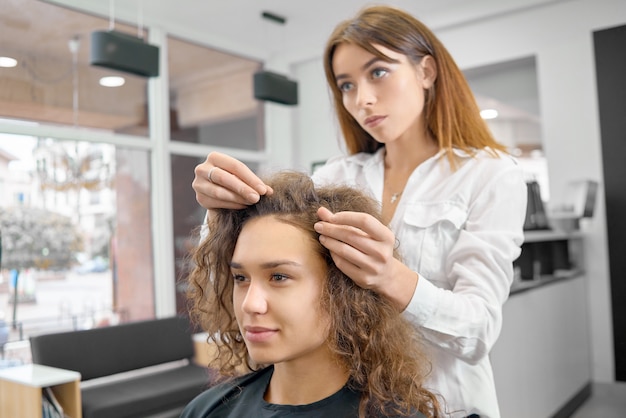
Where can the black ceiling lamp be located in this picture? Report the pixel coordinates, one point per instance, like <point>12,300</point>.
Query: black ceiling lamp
<point>274,87</point>
<point>123,52</point>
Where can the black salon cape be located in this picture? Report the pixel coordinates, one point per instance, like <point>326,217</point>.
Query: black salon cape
<point>243,398</point>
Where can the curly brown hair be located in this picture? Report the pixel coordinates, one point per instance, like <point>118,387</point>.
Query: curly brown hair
<point>381,349</point>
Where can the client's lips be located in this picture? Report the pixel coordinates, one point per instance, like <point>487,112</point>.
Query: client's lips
<point>258,334</point>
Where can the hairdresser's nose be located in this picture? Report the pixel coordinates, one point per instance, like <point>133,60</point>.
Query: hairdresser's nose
<point>255,300</point>
<point>365,95</point>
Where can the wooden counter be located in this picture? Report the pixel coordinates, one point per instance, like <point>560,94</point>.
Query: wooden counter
<point>21,390</point>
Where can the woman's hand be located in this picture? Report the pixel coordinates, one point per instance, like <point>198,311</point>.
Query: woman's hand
<point>223,182</point>
<point>363,248</point>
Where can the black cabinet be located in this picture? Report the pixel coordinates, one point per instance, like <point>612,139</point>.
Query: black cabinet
<point>610,58</point>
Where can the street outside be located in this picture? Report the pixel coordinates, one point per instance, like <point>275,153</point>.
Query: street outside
<point>59,302</point>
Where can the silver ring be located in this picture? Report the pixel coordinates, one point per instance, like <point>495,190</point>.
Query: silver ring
<point>211,172</point>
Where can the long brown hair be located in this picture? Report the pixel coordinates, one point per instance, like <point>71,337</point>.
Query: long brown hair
<point>451,113</point>
<point>380,348</point>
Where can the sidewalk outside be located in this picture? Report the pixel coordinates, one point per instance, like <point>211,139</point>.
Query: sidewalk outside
<point>62,302</point>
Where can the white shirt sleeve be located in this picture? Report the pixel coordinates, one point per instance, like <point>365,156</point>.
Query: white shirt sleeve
<point>465,317</point>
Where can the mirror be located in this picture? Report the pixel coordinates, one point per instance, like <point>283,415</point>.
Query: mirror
<point>508,96</point>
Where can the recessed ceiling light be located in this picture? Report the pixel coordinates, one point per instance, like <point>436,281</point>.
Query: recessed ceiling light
<point>489,113</point>
<point>7,62</point>
<point>112,81</point>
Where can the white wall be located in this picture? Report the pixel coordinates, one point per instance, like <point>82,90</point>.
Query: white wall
<point>316,128</point>
<point>560,36</point>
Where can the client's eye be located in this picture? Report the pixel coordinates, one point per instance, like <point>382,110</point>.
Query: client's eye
<point>239,277</point>
<point>279,277</point>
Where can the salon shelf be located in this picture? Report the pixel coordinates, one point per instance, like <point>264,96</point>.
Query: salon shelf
<point>520,286</point>
<point>551,235</point>
<point>548,256</point>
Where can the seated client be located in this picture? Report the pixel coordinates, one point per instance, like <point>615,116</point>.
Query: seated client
<point>313,342</point>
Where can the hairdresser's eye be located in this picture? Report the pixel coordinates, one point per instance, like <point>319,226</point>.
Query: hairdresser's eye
<point>379,72</point>
<point>279,277</point>
<point>346,87</point>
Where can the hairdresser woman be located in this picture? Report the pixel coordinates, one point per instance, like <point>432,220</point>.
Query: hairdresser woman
<point>453,198</point>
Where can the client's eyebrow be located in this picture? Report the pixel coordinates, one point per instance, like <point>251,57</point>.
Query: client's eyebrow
<point>267,265</point>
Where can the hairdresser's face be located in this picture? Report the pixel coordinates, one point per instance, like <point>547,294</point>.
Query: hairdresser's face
<point>278,282</point>
<point>385,98</point>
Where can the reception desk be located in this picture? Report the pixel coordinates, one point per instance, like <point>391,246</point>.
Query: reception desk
<point>542,360</point>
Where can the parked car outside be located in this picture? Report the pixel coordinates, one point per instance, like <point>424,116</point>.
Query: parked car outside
<point>95,265</point>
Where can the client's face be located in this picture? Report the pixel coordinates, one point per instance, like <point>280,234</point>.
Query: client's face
<point>278,283</point>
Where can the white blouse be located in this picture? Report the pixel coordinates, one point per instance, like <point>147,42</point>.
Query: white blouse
<point>460,230</point>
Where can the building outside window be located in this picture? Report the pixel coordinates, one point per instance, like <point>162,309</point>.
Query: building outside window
<point>88,154</point>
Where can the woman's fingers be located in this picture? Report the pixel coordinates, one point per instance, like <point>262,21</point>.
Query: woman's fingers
<point>356,228</point>
<point>363,249</point>
<point>243,180</point>
<point>360,245</point>
<point>225,182</point>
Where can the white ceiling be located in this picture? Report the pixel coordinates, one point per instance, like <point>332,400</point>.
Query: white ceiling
<point>237,25</point>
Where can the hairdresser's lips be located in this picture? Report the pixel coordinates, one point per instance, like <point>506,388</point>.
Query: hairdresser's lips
<point>373,121</point>
<point>258,334</point>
